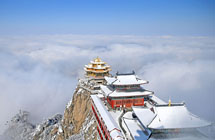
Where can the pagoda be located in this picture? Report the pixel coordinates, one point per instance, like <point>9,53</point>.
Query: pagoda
<point>96,70</point>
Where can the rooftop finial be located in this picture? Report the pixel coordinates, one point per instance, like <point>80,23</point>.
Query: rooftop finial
<point>169,102</point>
<point>97,59</point>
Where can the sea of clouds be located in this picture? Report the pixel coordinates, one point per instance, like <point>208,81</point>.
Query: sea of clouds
<point>39,73</point>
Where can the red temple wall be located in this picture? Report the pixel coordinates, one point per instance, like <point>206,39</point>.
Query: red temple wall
<point>101,126</point>
<point>126,102</point>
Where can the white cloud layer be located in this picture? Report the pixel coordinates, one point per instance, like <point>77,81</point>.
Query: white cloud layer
<point>39,73</point>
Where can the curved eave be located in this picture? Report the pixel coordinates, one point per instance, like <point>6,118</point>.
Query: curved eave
<point>93,62</point>
<point>174,128</point>
<point>96,71</point>
<point>132,94</point>
<point>142,82</point>
<point>101,68</point>
<point>96,77</point>
<point>125,84</point>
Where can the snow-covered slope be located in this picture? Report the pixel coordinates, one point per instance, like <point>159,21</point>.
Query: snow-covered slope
<point>75,124</point>
<point>19,127</point>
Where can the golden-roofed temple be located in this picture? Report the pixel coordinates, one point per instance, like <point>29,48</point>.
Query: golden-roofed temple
<point>97,69</point>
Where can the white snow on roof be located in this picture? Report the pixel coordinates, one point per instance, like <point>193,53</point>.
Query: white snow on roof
<point>135,130</point>
<point>105,90</point>
<point>176,117</point>
<point>107,118</point>
<point>128,80</point>
<point>147,113</point>
<point>110,80</point>
<point>115,115</point>
<point>100,95</point>
<point>97,67</point>
<point>169,117</point>
<point>157,100</point>
<point>130,94</point>
<point>93,62</point>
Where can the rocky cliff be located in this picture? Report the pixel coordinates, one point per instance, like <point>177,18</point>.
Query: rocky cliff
<point>76,123</point>
<point>77,119</point>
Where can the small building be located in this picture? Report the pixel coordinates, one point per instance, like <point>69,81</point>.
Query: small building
<point>96,70</point>
<point>125,90</point>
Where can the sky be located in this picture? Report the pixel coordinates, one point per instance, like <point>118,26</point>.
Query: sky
<point>44,45</point>
<point>136,17</point>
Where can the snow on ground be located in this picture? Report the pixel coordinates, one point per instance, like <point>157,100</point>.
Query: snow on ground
<point>60,130</point>
<point>89,123</point>
<point>69,103</point>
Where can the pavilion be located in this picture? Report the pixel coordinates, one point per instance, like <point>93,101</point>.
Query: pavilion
<point>96,70</point>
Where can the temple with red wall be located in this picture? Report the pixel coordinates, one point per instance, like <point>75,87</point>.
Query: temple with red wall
<point>125,90</point>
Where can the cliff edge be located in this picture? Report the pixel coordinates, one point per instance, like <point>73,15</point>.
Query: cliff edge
<point>78,118</point>
<point>76,123</point>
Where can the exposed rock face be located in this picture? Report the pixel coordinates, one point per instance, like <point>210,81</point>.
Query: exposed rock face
<point>77,123</point>
<point>78,118</point>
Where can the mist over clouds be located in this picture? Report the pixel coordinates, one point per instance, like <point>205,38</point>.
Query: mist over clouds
<point>39,73</point>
